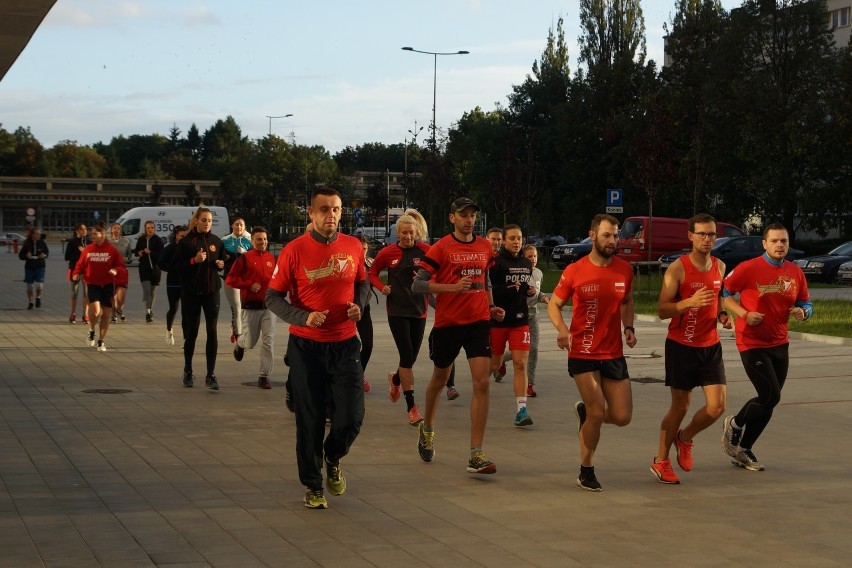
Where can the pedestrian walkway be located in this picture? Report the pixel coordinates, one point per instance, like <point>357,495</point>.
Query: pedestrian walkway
<point>106,460</point>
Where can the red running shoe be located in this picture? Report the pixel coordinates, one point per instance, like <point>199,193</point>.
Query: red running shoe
<point>663,471</point>
<point>684,452</point>
<point>394,391</point>
<point>367,385</point>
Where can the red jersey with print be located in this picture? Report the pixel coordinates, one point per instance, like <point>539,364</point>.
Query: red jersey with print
<point>449,260</point>
<point>252,267</point>
<point>696,327</point>
<point>771,290</point>
<point>318,277</point>
<point>596,294</point>
<point>96,260</point>
<point>402,264</point>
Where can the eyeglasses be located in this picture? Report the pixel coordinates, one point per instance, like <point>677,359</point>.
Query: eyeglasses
<point>703,236</point>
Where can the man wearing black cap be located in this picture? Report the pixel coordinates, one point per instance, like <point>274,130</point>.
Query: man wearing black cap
<point>455,270</point>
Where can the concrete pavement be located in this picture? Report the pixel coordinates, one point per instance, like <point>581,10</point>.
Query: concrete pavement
<point>159,475</point>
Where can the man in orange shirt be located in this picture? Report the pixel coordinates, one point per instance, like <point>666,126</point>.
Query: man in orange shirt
<point>599,287</point>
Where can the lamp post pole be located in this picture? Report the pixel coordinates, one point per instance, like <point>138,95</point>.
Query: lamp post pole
<point>414,134</point>
<point>271,117</point>
<point>435,55</point>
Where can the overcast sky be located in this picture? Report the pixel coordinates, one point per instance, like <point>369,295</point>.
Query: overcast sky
<point>100,68</point>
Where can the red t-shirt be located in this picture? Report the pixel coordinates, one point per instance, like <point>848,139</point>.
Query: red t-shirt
<point>771,290</point>
<point>253,267</point>
<point>696,327</point>
<point>449,260</point>
<point>596,294</point>
<point>318,277</point>
<point>96,260</point>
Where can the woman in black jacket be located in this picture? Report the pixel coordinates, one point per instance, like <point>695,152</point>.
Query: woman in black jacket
<point>75,246</point>
<point>173,286</point>
<point>148,249</point>
<point>199,258</point>
<point>33,253</point>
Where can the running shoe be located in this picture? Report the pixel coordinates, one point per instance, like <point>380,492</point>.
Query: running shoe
<point>588,481</point>
<point>30,306</point>
<point>234,338</point>
<point>684,452</point>
<point>149,318</point>
<point>334,479</point>
<point>72,318</point>
<point>731,437</point>
<point>580,411</point>
<point>425,444</point>
<point>414,417</point>
<point>663,471</point>
<point>394,391</point>
<point>112,318</point>
<point>38,302</point>
<point>531,391</point>
<point>188,379</point>
<point>452,393</point>
<point>121,315</point>
<point>170,338</point>
<point>91,338</point>
<point>85,318</point>
<point>211,382</point>
<point>238,353</point>
<point>747,460</point>
<point>500,373</point>
<point>522,418</point>
<point>101,346</point>
<point>478,463</point>
<point>263,382</point>
<point>314,499</point>
<point>367,385</point>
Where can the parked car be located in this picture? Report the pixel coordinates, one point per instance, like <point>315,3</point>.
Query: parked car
<point>535,240</point>
<point>7,239</point>
<point>844,273</point>
<point>563,255</point>
<point>554,240</point>
<point>825,267</point>
<point>732,251</point>
<point>662,235</point>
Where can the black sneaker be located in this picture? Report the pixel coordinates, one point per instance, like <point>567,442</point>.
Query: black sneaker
<point>263,383</point>
<point>38,302</point>
<point>211,382</point>
<point>425,444</point>
<point>288,397</point>
<point>238,353</point>
<point>121,315</point>
<point>188,379</point>
<point>588,481</point>
<point>112,318</point>
<point>149,318</point>
<point>30,306</point>
<point>580,411</point>
<point>91,338</point>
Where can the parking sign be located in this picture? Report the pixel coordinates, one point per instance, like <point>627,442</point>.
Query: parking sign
<point>614,197</point>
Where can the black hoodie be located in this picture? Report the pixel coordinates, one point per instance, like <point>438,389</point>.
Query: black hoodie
<point>200,278</point>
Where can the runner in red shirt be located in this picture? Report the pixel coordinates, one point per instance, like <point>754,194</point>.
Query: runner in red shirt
<point>690,298</point>
<point>599,287</point>
<point>99,264</point>
<point>313,289</point>
<point>456,271</point>
<point>772,290</point>
<point>250,274</point>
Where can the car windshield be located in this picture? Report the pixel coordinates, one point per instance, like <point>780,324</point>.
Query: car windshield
<point>843,250</point>
<point>632,229</point>
<point>721,242</point>
<point>585,241</point>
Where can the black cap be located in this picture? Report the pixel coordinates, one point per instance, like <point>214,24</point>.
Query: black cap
<point>463,203</point>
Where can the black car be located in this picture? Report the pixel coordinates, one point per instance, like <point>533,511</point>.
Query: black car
<point>732,251</point>
<point>824,267</point>
<point>563,255</point>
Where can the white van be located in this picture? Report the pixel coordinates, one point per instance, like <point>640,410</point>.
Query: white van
<point>166,219</point>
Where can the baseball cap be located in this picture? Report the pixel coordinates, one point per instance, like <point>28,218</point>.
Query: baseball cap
<point>463,203</point>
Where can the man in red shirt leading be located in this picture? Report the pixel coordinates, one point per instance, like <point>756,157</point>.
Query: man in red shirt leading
<point>690,298</point>
<point>771,290</point>
<point>599,287</point>
<point>313,288</point>
<point>455,270</point>
<point>251,273</point>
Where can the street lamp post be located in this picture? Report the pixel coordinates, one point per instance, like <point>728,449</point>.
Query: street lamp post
<point>414,134</point>
<point>271,117</point>
<point>435,55</point>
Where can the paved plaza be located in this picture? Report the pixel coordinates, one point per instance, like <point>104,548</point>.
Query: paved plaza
<point>143,472</point>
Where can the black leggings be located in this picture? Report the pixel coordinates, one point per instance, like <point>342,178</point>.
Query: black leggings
<point>767,371</point>
<point>408,335</point>
<point>173,293</point>
<point>191,307</point>
<point>365,333</point>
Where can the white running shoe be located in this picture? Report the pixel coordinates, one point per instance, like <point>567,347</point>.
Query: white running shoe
<point>91,338</point>
<point>101,346</point>
<point>170,338</point>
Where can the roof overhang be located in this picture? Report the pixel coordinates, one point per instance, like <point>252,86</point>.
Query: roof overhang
<point>19,19</point>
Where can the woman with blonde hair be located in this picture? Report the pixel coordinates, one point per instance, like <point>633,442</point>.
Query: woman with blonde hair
<point>406,310</point>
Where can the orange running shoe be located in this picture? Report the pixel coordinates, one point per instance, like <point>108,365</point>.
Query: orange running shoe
<point>663,471</point>
<point>684,452</point>
<point>394,391</point>
<point>414,417</point>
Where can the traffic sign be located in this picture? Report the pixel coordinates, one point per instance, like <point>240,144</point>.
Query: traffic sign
<point>614,197</point>
<point>611,209</point>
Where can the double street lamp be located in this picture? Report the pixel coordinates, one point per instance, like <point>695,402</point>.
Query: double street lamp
<point>435,54</point>
<point>271,117</point>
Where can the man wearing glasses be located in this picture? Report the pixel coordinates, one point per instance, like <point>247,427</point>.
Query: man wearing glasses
<point>690,298</point>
